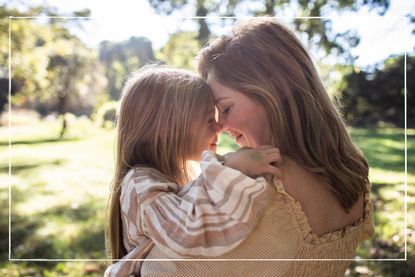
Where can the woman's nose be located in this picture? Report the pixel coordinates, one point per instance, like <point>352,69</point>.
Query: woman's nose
<point>217,127</point>
<point>222,123</point>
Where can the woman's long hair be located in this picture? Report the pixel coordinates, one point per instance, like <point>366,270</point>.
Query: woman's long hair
<point>266,62</point>
<point>157,122</point>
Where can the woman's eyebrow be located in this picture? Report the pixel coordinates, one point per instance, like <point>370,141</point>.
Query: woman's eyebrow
<point>220,99</point>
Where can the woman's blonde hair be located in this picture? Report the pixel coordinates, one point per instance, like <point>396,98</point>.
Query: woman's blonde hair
<point>160,113</point>
<point>264,60</point>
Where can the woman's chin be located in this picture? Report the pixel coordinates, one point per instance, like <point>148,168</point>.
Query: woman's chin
<point>243,143</point>
<point>240,140</point>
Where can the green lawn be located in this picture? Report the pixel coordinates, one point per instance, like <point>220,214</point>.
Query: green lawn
<point>59,190</point>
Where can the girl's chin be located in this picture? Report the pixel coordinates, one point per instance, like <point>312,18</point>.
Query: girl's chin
<point>213,148</point>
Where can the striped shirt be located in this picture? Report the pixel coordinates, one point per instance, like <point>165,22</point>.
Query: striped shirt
<point>208,217</point>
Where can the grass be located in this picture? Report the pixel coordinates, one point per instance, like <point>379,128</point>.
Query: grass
<point>59,190</point>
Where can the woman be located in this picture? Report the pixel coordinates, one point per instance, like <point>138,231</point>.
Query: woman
<point>267,91</point>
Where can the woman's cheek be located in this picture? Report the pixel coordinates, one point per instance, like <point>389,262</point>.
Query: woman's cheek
<point>232,121</point>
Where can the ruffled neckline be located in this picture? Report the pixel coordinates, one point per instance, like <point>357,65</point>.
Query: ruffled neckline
<point>361,227</point>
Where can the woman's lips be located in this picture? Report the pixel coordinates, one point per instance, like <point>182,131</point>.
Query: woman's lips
<point>236,136</point>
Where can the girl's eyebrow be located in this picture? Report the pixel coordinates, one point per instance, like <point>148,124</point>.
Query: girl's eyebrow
<point>210,111</point>
<point>220,99</point>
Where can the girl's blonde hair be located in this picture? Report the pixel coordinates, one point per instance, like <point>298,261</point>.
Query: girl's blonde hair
<point>265,61</point>
<point>158,122</point>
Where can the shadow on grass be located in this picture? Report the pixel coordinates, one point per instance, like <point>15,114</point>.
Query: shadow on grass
<point>384,204</point>
<point>4,224</point>
<point>38,141</point>
<point>84,212</point>
<point>383,268</point>
<point>22,228</point>
<point>385,148</point>
<point>28,242</point>
<point>16,169</point>
<point>91,239</point>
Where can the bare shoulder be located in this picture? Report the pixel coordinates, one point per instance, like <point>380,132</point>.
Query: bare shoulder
<point>324,212</point>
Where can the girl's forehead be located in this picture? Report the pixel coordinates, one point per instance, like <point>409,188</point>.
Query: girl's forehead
<point>212,110</point>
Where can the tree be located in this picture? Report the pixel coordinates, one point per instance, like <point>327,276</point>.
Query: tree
<point>180,50</point>
<point>123,58</point>
<point>48,61</point>
<point>371,97</point>
<point>317,30</point>
<point>202,9</point>
<point>70,68</point>
<point>4,92</point>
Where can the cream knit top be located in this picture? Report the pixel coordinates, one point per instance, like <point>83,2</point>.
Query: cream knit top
<point>283,232</point>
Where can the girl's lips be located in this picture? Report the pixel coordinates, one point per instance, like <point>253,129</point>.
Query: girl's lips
<point>213,147</point>
<point>214,141</point>
<point>238,137</point>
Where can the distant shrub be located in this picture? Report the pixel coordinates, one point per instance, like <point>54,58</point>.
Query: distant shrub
<point>106,114</point>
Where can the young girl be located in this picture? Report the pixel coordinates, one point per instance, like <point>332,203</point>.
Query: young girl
<point>166,119</point>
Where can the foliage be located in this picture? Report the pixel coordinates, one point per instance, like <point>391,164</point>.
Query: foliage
<point>202,8</point>
<point>180,50</point>
<point>371,97</point>
<point>4,91</point>
<point>318,31</point>
<point>122,58</point>
<point>105,115</point>
<point>55,70</point>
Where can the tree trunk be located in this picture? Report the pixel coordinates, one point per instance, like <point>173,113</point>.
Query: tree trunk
<point>269,7</point>
<point>62,104</point>
<point>204,32</point>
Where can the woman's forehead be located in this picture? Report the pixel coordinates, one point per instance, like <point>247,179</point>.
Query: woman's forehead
<point>221,92</point>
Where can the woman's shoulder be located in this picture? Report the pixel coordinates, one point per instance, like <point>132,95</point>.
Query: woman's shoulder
<point>319,205</point>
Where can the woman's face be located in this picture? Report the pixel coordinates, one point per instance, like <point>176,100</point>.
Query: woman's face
<point>241,117</point>
<point>207,134</point>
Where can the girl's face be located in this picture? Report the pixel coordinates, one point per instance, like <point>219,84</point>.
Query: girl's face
<point>207,133</point>
<point>241,117</point>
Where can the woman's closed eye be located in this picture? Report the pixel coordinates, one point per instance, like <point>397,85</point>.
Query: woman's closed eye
<point>226,110</point>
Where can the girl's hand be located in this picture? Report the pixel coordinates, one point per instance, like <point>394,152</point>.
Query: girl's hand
<point>255,161</point>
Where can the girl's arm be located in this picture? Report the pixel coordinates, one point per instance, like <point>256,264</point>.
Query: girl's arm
<point>209,217</point>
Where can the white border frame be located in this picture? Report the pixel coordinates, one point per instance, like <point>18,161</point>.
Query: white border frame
<point>406,199</point>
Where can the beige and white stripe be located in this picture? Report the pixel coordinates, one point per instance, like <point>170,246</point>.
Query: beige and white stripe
<point>208,217</point>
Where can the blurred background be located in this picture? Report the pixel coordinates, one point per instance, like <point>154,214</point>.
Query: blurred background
<point>68,63</point>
